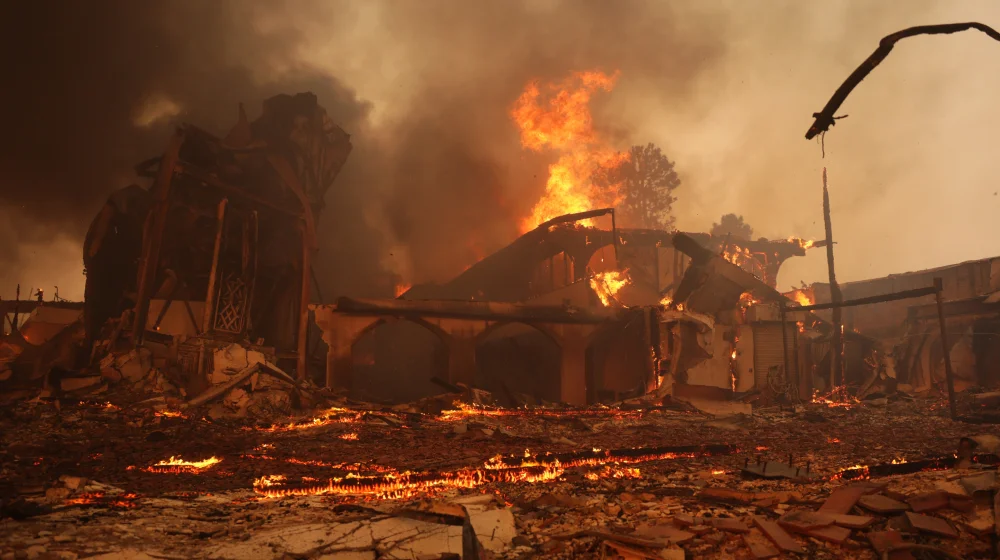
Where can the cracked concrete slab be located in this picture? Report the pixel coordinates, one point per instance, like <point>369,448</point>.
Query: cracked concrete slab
<point>401,538</point>
<point>298,540</point>
<point>494,528</point>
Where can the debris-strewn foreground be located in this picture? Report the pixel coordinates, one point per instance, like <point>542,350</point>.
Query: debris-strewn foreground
<point>429,480</point>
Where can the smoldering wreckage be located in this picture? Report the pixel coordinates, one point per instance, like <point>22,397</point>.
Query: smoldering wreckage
<point>583,392</point>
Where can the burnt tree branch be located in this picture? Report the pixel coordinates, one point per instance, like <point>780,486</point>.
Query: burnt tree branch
<point>825,119</point>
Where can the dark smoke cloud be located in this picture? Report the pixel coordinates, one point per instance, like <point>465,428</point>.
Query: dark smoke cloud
<point>78,76</point>
<point>441,177</point>
<point>438,179</point>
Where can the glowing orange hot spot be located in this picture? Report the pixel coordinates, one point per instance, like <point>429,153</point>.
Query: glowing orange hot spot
<point>402,288</point>
<point>176,465</point>
<point>557,117</point>
<point>348,437</point>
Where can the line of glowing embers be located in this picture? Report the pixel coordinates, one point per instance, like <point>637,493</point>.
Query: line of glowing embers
<point>529,469</point>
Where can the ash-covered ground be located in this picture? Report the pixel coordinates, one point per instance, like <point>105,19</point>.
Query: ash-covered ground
<point>107,479</point>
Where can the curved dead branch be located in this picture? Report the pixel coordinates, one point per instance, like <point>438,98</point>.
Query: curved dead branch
<point>825,119</point>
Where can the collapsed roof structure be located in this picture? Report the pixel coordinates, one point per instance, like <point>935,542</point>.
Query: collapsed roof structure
<point>213,265</point>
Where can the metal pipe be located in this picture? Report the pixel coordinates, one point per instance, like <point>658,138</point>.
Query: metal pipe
<point>949,376</point>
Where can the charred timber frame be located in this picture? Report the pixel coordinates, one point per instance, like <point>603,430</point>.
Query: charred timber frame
<point>935,290</point>
<point>170,166</point>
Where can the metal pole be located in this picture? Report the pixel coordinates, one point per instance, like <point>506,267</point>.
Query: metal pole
<point>784,338</point>
<point>949,376</point>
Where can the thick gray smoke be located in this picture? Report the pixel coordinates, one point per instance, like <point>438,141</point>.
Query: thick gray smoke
<point>438,178</point>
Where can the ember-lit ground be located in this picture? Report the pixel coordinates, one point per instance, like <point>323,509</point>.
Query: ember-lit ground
<point>98,478</point>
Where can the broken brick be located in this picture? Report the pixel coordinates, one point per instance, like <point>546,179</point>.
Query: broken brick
<point>884,541</point>
<point>802,521</point>
<point>833,534</point>
<point>882,504</point>
<point>729,524</point>
<point>842,500</point>
<point>931,524</point>
<point>853,521</point>
<point>760,547</point>
<point>931,501</point>
<point>777,535</point>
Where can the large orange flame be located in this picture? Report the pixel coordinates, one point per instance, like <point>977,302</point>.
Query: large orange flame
<point>607,285</point>
<point>557,117</point>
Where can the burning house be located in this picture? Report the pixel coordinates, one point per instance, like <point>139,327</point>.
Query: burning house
<point>567,312</point>
<point>909,329</point>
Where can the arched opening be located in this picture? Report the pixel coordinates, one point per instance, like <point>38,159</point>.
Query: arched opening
<point>620,361</point>
<point>519,358</point>
<point>395,361</point>
<point>603,260</point>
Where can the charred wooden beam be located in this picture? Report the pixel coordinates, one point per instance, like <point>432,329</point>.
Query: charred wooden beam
<point>837,342</point>
<point>905,294</point>
<point>153,234</point>
<point>825,119</point>
<point>206,178</point>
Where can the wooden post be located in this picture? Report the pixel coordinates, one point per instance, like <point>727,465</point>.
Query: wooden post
<point>17,300</point>
<point>949,376</point>
<point>303,357</point>
<point>837,341</point>
<point>798,366</point>
<point>149,262</point>
<point>206,317</point>
<point>784,340</point>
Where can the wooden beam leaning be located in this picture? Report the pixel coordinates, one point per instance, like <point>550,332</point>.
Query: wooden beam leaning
<point>153,235</point>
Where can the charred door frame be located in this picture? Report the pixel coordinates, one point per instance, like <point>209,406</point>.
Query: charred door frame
<point>170,166</point>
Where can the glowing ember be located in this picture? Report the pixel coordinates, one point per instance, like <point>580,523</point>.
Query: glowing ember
<point>559,119</point>
<point>718,472</point>
<point>607,285</point>
<point>101,499</point>
<point>464,410</point>
<point>402,289</point>
<point>832,440</point>
<point>333,415</point>
<point>839,397</point>
<point>733,364</point>
<point>526,468</point>
<point>349,437</point>
<point>613,471</point>
<point>169,414</point>
<point>176,465</point>
<point>667,301</point>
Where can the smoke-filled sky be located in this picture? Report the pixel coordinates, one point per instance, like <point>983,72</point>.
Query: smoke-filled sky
<point>438,179</point>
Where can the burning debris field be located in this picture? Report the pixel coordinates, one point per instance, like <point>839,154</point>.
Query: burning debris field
<point>446,476</point>
<point>598,383</point>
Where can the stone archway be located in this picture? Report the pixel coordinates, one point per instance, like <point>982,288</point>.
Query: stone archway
<point>394,361</point>
<point>520,358</point>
